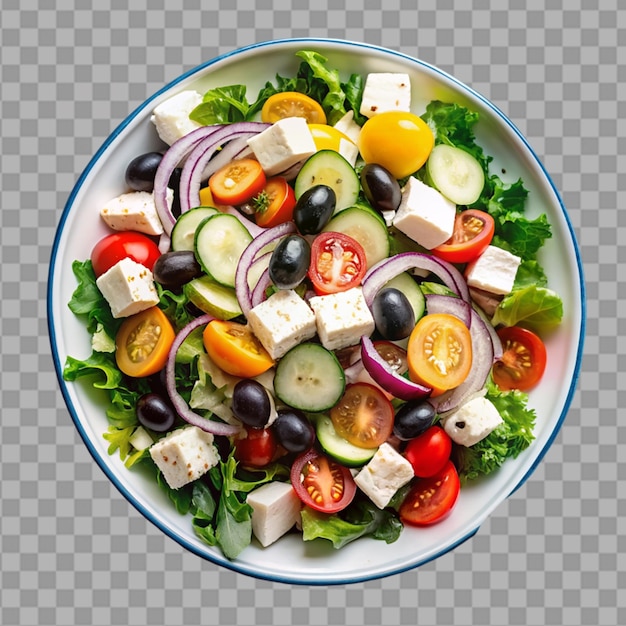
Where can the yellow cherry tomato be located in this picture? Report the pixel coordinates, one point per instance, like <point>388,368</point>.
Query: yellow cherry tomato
<point>292,104</point>
<point>397,140</point>
<point>327,137</point>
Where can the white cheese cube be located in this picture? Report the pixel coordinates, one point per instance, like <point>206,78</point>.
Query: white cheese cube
<point>282,145</point>
<point>128,287</point>
<point>386,91</point>
<point>134,211</point>
<point>385,473</point>
<point>493,271</point>
<point>281,322</point>
<point>472,421</point>
<point>275,511</point>
<point>184,455</point>
<point>349,127</point>
<point>424,214</point>
<point>342,318</point>
<point>171,117</point>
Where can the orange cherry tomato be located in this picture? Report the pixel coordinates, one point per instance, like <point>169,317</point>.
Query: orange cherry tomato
<point>523,360</point>
<point>237,182</point>
<point>233,348</point>
<point>431,499</point>
<point>439,352</point>
<point>275,204</point>
<point>363,416</point>
<point>143,342</point>
<point>292,104</point>
<point>473,232</point>
<point>338,262</point>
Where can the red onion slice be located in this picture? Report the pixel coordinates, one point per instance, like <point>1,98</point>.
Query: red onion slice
<point>258,291</point>
<point>436,303</point>
<point>182,408</point>
<point>242,289</point>
<point>387,378</point>
<point>377,276</point>
<point>174,156</point>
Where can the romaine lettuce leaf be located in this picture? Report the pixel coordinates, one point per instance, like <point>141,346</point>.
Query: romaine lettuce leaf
<point>538,308</point>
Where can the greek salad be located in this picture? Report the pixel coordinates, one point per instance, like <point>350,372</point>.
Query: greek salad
<point>317,312</point>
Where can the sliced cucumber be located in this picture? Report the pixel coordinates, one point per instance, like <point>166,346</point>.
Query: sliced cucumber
<point>406,284</point>
<point>456,174</point>
<point>220,241</point>
<point>368,229</point>
<point>309,378</point>
<point>184,231</point>
<point>213,298</point>
<point>328,167</point>
<point>339,448</point>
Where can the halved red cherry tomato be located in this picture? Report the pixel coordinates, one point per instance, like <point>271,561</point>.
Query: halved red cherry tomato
<point>363,416</point>
<point>275,204</point>
<point>523,360</point>
<point>237,182</point>
<point>143,342</point>
<point>321,483</point>
<point>338,262</point>
<point>431,499</point>
<point>394,355</point>
<point>233,348</point>
<point>428,452</point>
<point>256,447</point>
<point>292,104</point>
<point>473,232</point>
<point>117,246</point>
<point>439,352</point>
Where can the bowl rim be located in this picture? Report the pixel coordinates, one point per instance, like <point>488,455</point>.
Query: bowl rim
<point>234,565</point>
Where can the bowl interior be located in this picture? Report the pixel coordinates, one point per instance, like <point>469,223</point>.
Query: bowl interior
<point>291,559</point>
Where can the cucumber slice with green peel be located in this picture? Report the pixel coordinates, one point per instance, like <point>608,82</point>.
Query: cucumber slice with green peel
<point>339,448</point>
<point>309,378</point>
<point>219,243</point>
<point>328,167</point>
<point>456,174</point>
<point>213,298</point>
<point>184,231</point>
<point>368,229</point>
<point>409,287</point>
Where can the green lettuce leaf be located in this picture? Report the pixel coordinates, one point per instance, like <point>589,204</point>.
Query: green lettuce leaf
<point>100,365</point>
<point>535,307</point>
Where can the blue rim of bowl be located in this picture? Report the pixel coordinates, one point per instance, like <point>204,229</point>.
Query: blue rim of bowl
<point>242,568</point>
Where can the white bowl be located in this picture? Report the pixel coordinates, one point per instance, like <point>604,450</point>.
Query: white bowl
<point>291,560</point>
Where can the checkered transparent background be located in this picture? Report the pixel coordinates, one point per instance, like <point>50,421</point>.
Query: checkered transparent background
<point>73,550</point>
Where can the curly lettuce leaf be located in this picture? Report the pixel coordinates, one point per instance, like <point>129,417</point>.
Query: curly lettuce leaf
<point>100,365</point>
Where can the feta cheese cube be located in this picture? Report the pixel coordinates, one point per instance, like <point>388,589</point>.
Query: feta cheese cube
<point>282,145</point>
<point>135,211</point>
<point>493,271</point>
<point>275,511</point>
<point>349,127</point>
<point>385,91</point>
<point>424,214</point>
<point>385,473</point>
<point>184,455</point>
<point>281,322</point>
<point>342,318</point>
<point>171,117</point>
<point>472,421</point>
<point>128,287</point>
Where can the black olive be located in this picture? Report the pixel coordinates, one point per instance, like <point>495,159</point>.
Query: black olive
<point>293,430</point>
<point>155,413</point>
<point>314,209</point>
<point>412,419</point>
<point>393,314</point>
<point>141,171</point>
<point>290,261</point>
<point>251,403</point>
<point>380,187</point>
<point>176,268</point>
